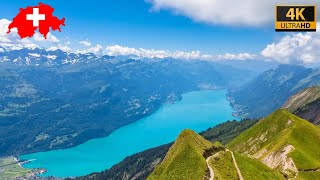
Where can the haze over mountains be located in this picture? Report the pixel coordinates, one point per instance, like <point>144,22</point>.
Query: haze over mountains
<point>269,91</point>
<point>87,96</point>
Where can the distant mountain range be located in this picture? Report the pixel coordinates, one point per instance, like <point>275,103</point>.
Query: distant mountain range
<point>55,99</point>
<point>42,57</point>
<point>270,90</point>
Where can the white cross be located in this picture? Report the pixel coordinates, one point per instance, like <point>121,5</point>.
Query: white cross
<point>36,17</point>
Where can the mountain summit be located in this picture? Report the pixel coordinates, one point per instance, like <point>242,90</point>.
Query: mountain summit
<point>185,158</point>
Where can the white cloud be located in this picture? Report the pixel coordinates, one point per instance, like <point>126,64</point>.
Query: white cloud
<point>51,38</point>
<point>191,55</point>
<point>229,12</point>
<point>85,43</point>
<point>12,40</point>
<point>241,56</point>
<point>298,48</point>
<point>117,50</point>
<point>97,49</point>
<point>4,37</point>
<point>152,53</point>
<point>61,47</point>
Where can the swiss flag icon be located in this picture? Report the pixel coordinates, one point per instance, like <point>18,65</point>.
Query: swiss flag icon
<point>36,17</point>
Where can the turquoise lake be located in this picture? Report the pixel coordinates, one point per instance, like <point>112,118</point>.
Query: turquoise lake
<point>197,111</point>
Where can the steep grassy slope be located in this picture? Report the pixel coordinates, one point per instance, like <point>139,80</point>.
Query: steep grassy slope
<point>223,166</point>
<point>255,170</point>
<point>184,159</point>
<point>282,141</point>
<point>312,175</point>
<point>306,104</point>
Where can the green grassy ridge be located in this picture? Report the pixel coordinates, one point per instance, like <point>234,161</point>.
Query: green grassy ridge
<point>184,159</point>
<point>283,128</point>
<point>275,125</point>
<point>305,137</point>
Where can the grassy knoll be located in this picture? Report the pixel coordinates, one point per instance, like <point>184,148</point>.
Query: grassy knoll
<point>184,159</point>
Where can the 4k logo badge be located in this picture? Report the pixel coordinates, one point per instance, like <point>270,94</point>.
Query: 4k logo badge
<point>295,18</point>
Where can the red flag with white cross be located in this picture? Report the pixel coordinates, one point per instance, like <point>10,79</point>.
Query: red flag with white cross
<point>36,17</point>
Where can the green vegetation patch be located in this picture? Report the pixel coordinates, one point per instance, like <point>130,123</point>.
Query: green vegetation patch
<point>267,131</point>
<point>223,166</point>
<point>255,170</point>
<point>305,137</point>
<point>10,169</point>
<point>309,175</point>
<point>227,131</point>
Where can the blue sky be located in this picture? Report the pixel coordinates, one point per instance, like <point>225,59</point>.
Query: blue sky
<point>214,27</point>
<point>132,23</point>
